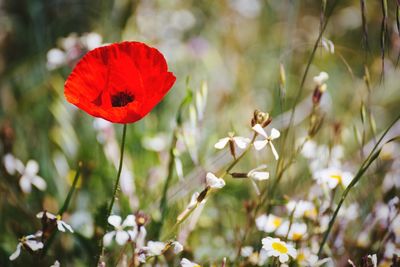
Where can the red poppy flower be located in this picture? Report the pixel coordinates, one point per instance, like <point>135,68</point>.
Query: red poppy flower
<point>120,82</point>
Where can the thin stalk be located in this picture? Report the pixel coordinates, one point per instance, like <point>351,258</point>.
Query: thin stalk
<point>101,245</point>
<point>279,168</point>
<point>363,168</point>
<point>63,208</point>
<point>163,203</point>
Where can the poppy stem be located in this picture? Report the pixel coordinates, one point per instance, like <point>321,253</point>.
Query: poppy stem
<point>114,196</point>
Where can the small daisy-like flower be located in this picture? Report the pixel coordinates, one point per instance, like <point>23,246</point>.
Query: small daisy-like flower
<point>122,235</point>
<point>302,208</point>
<point>29,242</point>
<point>187,263</point>
<point>61,225</point>
<point>233,140</point>
<point>214,182</point>
<point>56,264</point>
<point>260,144</point>
<point>333,176</point>
<point>305,257</point>
<point>277,248</point>
<point>297,231</point>
<point>268,223</point>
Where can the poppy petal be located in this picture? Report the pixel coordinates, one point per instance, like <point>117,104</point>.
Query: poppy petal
<point>120,82</point>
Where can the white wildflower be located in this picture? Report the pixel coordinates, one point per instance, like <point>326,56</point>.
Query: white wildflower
<point>56,264</point>
<point>239,141</point>
<point>178,248</point>
<point>302,208</point>
<point>187,263</point>
<point>332,177</point>
<point>154,248</point>
<point>122,235</point>
<point>260,144</point>
<point>268,223</point>
<point>214,182</point>
<point>321,78</point>
<point>258,174</point>
<point>28,173</point>
<point>277,248</point>
<point>61,225</point>
<point>30,242</point>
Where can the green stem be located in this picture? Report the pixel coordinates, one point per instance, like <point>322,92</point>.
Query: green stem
<point>163,203</point>
<point>63,208</point>
<point>114,196</point>
<point>363,168</point>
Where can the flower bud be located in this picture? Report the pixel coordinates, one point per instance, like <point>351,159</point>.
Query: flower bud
<point>261,118</point>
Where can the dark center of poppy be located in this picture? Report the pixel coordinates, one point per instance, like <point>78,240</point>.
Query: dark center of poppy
<point>121,99</point>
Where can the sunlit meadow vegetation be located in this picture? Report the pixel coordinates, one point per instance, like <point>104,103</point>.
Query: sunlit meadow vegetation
<point>276,146</point>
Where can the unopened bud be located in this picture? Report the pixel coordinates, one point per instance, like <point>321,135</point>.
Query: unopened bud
<point>239,175</point>
<point>261,118</point>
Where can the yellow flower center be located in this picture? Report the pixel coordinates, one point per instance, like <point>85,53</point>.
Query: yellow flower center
<point>58,217</point>
<point>277,222</point>
<point>297,236</point>
<point>310,213</point>
<point>301,256</point>
<point>279,247</point>
<point>338,177</point>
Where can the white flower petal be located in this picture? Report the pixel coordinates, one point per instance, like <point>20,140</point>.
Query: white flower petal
<point>275,134</point>
<point>39,182</point>
<point>114,220</point>
<point>25,184</point>
<point>260,144</point>
<point>260,176</point>
<point>221,143</point>
<point>283,258</point>
<point>187,263</point>
<point>107,238</point>
<point>129,221</point>
<point>34,245</point>
<point>32,168</point>
<point>133,233</point>
<point>261,221</point>
<point>16,252</point>
<point>56,264</point>
<point>259,129</point>
<point>67,226</point>
<point>241,142</point>
<point>60,226</point>
<point>214,182</point>
<point>121,237</point>
<point>177,247</point>
<point>274,150</point>
<point>155,248</point>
